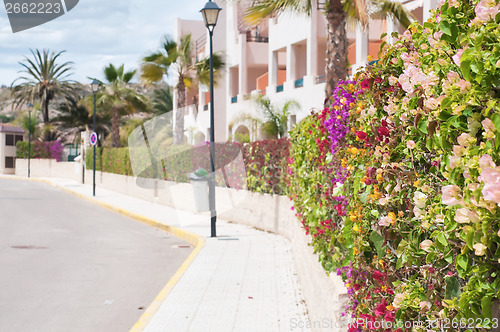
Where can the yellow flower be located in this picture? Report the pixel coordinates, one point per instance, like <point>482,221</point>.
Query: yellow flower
<point>356,228</point>
<point>390,307</point>
<point>369,58</point>
<point>400,213</point>
<point>352,218</point>
<point>355,251</point>
<point>348,285</point>
<point>416,183</point>
<point>392,215</point>
<point>380,178</point>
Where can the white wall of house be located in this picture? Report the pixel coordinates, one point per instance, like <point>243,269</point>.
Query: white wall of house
<point>8,148</point>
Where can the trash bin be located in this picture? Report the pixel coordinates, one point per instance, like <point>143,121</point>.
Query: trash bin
<point>199,180</point>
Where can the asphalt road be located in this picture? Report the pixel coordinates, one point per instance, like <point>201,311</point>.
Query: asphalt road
<point>69,265</point>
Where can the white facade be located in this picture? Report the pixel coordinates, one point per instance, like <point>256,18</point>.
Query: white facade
<point>283,58</point>
<point>9,136</point>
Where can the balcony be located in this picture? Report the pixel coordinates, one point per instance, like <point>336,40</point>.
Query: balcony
<point>320,79</point>
<point>257,39</point>
<point>299,83</point>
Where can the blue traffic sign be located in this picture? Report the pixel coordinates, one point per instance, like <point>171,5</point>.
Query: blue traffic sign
<point>93,139</point>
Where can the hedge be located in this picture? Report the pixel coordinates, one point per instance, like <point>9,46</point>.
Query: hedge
<point>398,181</point>
<point>264,162</point>
<point>40,149</point>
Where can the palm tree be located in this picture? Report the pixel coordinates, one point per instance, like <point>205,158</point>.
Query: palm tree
<point>74,116</point>
<point>43,79</point>
<point>188,71</point>
<point>273,120</point>
<point>162,101</point>
<point>277,118</point>
<point>119,97</point>
<point>338,13</point>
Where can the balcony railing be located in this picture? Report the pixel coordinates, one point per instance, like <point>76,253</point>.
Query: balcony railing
<point>299,83</point>
<point>279,88</point>
<point>257,39</point>
<point>321,4</point>
<point>320,79</point>
<point>234,99</point>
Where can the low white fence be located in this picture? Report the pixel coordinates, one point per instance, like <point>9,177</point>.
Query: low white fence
<point>325,296</point>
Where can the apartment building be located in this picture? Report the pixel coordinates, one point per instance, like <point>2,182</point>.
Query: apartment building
<point>9,136</point>
<point>282,58</point>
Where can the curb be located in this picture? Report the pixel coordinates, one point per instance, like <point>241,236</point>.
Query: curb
<point>195,240</point>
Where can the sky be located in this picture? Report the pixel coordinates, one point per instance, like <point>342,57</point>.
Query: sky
<point>94,34</point>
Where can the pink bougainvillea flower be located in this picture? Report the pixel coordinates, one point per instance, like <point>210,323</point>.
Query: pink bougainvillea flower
<point>377,275</point>
<point>361,135</point>
<point>385,222</point>
<point>488,125</point>
<point>365,84</point>
<point>381,308</point>
<point>480,249</point>
<point>410,144</point>
<point>426,245</point>
<point>465,140</point>
<point>490,175</point>
<point>464,216</point>
<point>491,192</point>
<point>486,162</point>
<point>456,57</point>
<point>451,195</point>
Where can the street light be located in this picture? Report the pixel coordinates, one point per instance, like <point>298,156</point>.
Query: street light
<point>95,87</point>
<point>30,107</point>
<point>210,14</point>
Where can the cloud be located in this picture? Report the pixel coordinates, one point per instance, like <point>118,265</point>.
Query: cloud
<point>95,33</point>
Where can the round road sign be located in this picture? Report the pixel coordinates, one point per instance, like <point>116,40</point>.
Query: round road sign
<point>93,139</point>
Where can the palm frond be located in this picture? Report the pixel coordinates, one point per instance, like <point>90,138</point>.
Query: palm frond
<point>396,10</point>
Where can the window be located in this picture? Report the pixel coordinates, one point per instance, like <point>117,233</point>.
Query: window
<point>19,138</point>
<point>9,140</point>
<point>9,162</point>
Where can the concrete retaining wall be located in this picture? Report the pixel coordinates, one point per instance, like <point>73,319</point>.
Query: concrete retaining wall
<point>325,296</point>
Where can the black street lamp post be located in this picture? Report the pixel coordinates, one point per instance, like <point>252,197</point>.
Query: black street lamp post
<point>30,106</point>
<point>210,14</point>
<point>95,87</point>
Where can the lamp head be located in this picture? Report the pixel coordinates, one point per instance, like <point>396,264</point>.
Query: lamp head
<point>95,85</point>
<point>210,14</point>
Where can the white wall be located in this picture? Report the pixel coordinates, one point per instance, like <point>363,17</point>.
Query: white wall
<point>265,212</point>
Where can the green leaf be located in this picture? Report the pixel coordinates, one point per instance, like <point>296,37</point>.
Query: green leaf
<point>442,239</point>
<point>469,239</point>
<point>378,241</point>
<point>461,261</point>
<point>431,257</point>
<point>486,306</point>
<point>452,288</point>
<point>445,27</point>
<point>423,126</point>
<point>401,247</point>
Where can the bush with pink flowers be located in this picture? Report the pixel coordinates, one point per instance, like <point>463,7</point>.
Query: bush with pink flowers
<point>398,181</point>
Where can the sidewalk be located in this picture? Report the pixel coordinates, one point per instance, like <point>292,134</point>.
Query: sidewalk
<point>243,280</point>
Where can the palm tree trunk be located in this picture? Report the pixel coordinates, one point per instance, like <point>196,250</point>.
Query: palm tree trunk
<point>336,46</point>
<point>179,114</point>
<point>115,127</point>
<point>45,111</point>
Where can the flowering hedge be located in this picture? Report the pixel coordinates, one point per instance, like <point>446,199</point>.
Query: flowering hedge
<point>263,161</point>
<point>398,182</point>
<point>40,149</point>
